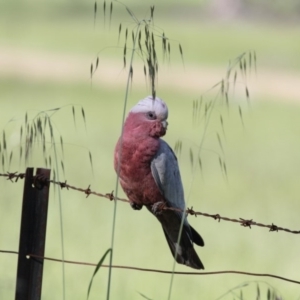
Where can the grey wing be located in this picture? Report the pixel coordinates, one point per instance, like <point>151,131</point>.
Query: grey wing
<point>165,171</point>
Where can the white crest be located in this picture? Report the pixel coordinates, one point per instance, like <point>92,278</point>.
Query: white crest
<point>149,104</point>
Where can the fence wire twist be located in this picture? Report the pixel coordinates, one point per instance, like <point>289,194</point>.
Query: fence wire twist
<point>38,181</point>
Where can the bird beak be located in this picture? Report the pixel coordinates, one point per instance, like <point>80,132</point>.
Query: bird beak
<point>165,124</point>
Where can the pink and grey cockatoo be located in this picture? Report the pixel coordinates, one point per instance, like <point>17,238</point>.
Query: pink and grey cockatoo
<point>149,175</point>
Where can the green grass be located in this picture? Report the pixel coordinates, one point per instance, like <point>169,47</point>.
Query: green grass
<point>261,157</point>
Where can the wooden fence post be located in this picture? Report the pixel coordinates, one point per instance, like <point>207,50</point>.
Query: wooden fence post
<point>32,234</point>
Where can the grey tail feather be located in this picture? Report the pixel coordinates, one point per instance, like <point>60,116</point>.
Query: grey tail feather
<point>186,253</point>
<point>196,237</point>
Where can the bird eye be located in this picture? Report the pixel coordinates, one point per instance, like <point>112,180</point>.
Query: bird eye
<point>151,115</point>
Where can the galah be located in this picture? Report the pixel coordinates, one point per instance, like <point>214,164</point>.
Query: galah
<point>150,176</point>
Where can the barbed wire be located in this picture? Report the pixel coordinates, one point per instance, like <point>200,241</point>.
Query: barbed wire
<point>15,176</point>
<point>33,256</point>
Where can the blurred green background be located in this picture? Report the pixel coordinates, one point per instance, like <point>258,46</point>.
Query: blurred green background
<point>46,49</point>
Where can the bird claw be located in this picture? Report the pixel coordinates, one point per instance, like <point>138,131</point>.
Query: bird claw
<point>157,208</point>
<point>136,206</point>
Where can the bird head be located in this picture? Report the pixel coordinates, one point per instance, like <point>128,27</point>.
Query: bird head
<point>149,116</point>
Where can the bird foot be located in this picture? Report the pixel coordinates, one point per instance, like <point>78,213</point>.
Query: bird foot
<point>157,208</point>
<point>136,206</point>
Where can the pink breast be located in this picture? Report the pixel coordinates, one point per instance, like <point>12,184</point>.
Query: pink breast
<point>135,173</point>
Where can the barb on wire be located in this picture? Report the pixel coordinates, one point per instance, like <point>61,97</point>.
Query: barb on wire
<point>87,191</point>
<point>13,175</point>
<point>156,270</point>
<point>188,211</point>
<point>243,222</point>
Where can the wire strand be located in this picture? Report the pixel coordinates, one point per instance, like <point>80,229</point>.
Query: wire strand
<point>14,177</point>
<point>157,270</point>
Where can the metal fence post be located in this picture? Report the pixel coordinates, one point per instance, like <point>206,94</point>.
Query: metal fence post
<point>32,235</point>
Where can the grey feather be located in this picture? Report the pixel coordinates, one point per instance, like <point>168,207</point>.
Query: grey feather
<point>165,171</point>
